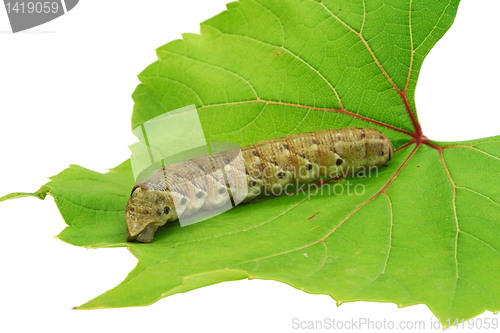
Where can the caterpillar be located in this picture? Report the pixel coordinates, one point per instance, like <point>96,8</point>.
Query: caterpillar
<point>210,181</point>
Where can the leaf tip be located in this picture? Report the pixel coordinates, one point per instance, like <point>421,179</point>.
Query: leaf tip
<point>39,194</point>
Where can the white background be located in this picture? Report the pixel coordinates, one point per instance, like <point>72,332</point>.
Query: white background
<point>65,99</point>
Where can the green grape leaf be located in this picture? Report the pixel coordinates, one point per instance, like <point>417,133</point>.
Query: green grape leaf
<point>425,229</point>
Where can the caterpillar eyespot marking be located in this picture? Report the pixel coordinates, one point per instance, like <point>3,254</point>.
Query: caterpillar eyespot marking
<point>269,164</point>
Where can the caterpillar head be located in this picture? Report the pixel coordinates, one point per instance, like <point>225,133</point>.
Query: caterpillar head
<point>146,210</point>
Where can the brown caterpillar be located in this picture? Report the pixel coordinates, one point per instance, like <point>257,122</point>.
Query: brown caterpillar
<point>209,181</point>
